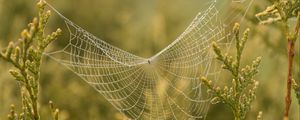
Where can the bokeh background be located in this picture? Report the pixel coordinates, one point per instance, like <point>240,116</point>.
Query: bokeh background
<point>142,27</point>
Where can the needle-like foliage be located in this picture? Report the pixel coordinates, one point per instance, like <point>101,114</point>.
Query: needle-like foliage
<point>241,93</point>
<point>26,56</point>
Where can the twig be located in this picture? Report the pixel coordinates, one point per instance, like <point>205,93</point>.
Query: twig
<point>292,37</point>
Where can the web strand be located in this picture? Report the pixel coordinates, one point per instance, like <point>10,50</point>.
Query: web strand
<point>164,86</point>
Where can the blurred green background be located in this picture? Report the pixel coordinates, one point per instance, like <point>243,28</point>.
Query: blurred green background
<point>142,27</point>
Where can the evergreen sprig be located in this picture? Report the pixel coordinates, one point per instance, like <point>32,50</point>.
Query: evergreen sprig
<point>26,56</point>
<point>280,10</point>
<point>241,93</point>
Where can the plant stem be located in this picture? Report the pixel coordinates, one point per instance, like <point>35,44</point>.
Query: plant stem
<point>292,37</point>
<point>291,54</point>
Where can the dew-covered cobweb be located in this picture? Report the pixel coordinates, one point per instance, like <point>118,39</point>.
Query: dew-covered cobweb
<point>162,87</point>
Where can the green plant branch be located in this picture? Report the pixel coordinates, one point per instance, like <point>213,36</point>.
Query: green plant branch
<point>26,57</point>
<point>241,93</point>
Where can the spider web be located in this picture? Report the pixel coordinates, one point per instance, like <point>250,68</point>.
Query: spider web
<point>164,86</point>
